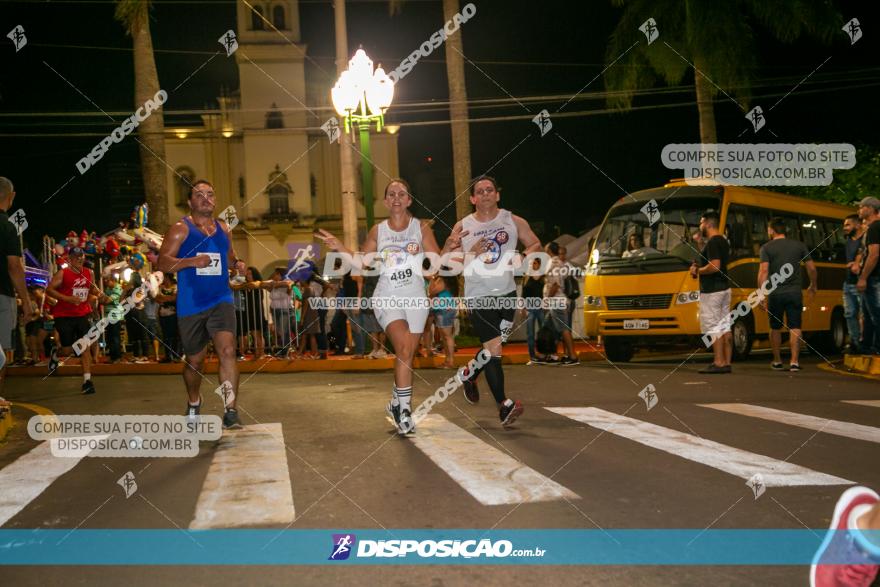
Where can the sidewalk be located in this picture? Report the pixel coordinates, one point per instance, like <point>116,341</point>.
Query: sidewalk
<point>868,364</point>
<point>514,354</point>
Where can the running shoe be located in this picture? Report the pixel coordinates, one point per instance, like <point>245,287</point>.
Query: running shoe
<point>510,412</point>
<point>846,564</point>
<point>406,424</point>
<point>88,387</point>
<point>471,391</point>
<point>794,367</point>
<point>192,412</point>
<point>569,361</point>
<point>53,361</point>
<point>230,419</point>
<point>393,413</point>
<point>777,366</point>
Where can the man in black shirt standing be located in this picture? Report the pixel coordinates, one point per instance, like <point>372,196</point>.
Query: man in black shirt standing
<point>11,275</point>
<point>714,292</point>
<point>782,255</point>
<point>869,278</point>
<point>852,299</point>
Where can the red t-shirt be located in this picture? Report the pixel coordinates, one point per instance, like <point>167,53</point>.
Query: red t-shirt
<point>78,285</point>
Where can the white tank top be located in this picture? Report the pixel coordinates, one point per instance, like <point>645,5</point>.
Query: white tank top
<point>486,275</point>
<point>402,256</point>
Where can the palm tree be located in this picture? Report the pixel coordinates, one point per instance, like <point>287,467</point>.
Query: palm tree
<point>715,39</point>
<point>458,110</point>
<point>135,17</point>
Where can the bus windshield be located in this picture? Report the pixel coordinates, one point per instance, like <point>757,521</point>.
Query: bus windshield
<point>671,233</point>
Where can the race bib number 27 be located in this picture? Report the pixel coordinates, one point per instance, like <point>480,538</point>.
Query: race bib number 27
<point>214,268</point>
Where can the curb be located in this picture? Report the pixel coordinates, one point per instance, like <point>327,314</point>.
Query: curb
<point>868,364</point>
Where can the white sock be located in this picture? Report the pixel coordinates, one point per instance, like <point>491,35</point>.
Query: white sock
<point>508,402</point>
<point>404,395</point>
<point>87,376</point>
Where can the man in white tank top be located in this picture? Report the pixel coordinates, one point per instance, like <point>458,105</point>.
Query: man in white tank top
<point>488,240</point>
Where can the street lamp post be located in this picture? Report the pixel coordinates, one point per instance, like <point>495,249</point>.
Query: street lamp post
<point>361,96</point>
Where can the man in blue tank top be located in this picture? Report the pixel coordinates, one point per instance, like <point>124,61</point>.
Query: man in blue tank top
<point>199,250</point>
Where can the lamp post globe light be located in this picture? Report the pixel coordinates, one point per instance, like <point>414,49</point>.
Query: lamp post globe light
<point>361,96</point>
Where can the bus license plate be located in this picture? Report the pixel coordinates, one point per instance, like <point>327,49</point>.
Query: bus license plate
<point>636,324</point>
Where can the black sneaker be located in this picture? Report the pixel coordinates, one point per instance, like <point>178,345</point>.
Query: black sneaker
<point>192,412</point>
<point>794,367</point>
<point>714,369</point>
<point>471,391</point>
<point>393,413</point>
<point>509,413</point>
<point>88,387</point>
<point>53,361</point>
<point>406,424</point>
<point>569,361</point>
<point>230,419</point>
<point>777,366</point>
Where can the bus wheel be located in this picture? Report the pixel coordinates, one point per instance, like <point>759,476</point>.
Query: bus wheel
<point>833,340</point>
<point>743,337</point>
<point>618,349</point>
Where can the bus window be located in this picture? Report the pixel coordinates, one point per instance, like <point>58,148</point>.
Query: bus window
<point>836,240</point>
<point>758,219</point>
<point>737,232</point>
<point>813,234</point>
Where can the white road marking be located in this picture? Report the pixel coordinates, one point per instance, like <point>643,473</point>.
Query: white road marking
<point>28,476</point>
<point>734,461</point>
<point>489,475</point>
<point>824,425</point>
<point>873,403</point>
<point>248,483</point>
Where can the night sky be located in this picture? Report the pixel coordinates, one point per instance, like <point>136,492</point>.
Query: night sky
<point>524,49</point>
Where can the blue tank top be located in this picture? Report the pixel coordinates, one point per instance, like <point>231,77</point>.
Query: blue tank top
<point>202,289</point>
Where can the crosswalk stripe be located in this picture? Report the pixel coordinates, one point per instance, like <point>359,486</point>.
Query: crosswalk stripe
<point>734,461</point>
<point>489,475</point>
<point>873,403</point>
<point>248,483</point>
<point>28,476</point>
<point>824,425</point>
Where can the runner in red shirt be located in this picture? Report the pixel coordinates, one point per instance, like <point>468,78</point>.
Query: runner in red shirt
<point>72,286</point>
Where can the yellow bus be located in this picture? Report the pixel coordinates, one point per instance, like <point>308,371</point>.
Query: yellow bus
<point>643,297</point>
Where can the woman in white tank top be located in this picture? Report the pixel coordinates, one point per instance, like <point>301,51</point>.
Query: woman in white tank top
<point>399,302</point>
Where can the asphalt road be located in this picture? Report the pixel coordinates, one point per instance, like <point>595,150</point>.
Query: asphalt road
<point>346,469</point>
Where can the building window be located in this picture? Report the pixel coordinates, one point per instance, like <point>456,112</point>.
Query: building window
<point>274,118</point>
<point>257,22</point>
<point>278,204</point>
<point>278,17</point>
<point>185,176</point>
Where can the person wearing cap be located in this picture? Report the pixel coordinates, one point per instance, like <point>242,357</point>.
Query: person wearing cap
<point>71,286</point>
<point>869,276</point>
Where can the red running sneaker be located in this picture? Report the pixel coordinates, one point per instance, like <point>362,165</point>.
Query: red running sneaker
<point>840,561</point>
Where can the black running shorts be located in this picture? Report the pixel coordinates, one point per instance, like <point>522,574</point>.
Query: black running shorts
<point>492,316</point>
<point>197,329</point>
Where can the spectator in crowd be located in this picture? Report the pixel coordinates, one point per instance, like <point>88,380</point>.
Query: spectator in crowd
<point>135,320</point>
<point>857,320</point>
<point>869,276</point>
<point>786,299</point>
<point>47,328</point>
<point>319,288</point>
<point>444,312</point>
<point>368,318</point>
<point>532,293</point>
<point>238,284</point>
<point>255,319</point>
<point>11,275</point>
<point>33,321</point>
<point>711,269</point>
<point>114,314</point>
<point>280,305</point>
<point>151,324</point>
<point>309,327</point>
<point>554,295</point>
<point>167,298</point>
<point>636,247</point>
<point>339,325</point>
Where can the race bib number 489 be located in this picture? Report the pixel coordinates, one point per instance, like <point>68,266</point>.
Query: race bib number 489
<point>214,268</point>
